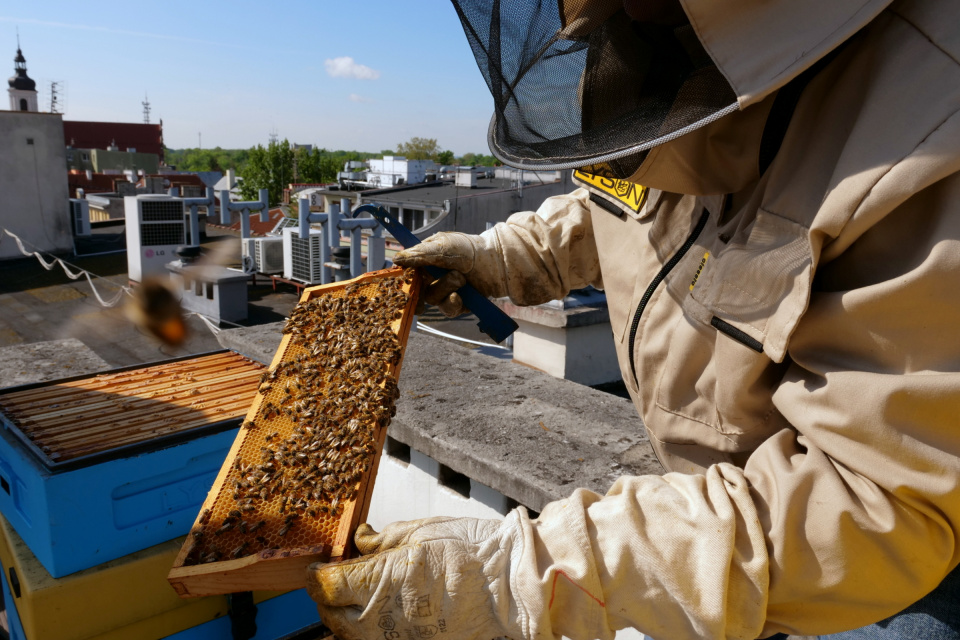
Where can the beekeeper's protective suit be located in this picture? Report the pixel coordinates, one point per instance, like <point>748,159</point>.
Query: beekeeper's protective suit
<point>787,330</point>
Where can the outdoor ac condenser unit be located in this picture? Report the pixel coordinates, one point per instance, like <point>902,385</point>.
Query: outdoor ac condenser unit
<point>301,256</point>
<point>265,253</point>
<point>155,227</point>
<point>80,216</point>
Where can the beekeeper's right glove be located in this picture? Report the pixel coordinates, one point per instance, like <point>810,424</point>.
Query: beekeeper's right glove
<point>469,258</point>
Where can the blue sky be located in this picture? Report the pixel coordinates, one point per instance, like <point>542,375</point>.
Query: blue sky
<point>341,75</point>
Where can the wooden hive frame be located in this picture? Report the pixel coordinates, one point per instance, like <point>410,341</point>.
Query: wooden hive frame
<point>327,537</point>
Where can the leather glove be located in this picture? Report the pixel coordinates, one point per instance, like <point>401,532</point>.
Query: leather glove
<point>423,578</point>
<point>470,258</point>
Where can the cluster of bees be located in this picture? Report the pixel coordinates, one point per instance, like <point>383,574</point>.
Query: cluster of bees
<point>338,392</point>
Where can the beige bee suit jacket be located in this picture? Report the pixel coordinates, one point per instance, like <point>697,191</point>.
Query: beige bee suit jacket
<point>799,364</point>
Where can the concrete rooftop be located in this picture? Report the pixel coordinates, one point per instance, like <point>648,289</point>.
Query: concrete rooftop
<point>435,193</point>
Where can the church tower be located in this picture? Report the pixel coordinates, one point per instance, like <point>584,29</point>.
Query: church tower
<point>23,90</point>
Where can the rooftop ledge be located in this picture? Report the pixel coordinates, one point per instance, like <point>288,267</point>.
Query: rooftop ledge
<point>530,436</point>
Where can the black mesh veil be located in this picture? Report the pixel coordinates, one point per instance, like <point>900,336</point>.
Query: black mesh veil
<point>582,85</point>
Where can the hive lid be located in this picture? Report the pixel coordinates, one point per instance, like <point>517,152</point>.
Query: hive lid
<point>84,420</point>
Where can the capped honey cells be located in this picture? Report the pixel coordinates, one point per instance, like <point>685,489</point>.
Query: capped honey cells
<point>314,437</point>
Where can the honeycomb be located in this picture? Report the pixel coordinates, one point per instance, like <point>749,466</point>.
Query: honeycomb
<point>316,426</point>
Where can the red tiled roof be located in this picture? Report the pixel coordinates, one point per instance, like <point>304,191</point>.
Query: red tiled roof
<point>176,180</point>
<point>145,138</point>
<point>257,228</point>
<point>98,183</point>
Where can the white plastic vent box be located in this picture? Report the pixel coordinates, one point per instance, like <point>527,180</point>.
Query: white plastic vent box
<point>95,467</point>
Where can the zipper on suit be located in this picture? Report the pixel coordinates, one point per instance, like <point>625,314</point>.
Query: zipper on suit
<point>664,270</point>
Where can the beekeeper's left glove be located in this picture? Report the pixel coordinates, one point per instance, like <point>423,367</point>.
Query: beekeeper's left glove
<point>424,578</point>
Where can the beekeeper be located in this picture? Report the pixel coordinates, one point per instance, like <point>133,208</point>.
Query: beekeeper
<point>788,329</point>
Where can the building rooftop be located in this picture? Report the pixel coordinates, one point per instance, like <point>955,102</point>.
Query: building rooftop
<point>257,228</point>
<point>436,193</point>
<point>145,138</point>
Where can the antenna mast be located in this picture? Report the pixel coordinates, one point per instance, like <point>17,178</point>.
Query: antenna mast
<point>146,109</point>
<point>55,97</point>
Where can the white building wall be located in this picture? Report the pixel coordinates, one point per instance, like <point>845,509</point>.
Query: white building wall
<point>33,182</point>
<point>409,490</point>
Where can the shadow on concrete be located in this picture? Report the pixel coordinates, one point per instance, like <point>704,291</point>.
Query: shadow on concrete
<point>22,274</point>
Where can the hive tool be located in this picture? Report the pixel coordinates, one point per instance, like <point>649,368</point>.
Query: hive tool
<point>491,320</point>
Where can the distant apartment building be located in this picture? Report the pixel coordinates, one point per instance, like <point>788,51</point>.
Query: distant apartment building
<point>112,160</point>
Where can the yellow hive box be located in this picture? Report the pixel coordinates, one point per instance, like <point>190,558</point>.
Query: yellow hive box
<point>128,598</point>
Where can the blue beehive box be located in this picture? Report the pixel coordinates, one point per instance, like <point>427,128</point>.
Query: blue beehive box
<point>96,467</point>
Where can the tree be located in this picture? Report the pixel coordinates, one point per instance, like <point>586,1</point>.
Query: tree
<point>216,159</point>
<point>478,160</point>
<point>268,168</point>
<point>419,149</point>
<point>445,157</point>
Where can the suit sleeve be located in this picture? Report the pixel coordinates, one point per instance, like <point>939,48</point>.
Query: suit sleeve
<point>543,255</point>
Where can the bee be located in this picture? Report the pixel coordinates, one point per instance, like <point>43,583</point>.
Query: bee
<point>223,529</point>
<point>285,529</point>
<point>236,553</point>
<point>205,516</point>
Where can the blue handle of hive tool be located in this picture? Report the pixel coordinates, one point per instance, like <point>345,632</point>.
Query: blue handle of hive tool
<point>492,321</point>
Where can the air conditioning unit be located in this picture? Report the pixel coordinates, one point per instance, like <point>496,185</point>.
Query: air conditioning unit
<point>155,227</point>
<point>80,216</point>
<point>302,256</point>
<point>265,253</point>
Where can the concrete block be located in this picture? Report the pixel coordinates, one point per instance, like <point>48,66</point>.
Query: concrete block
<point>490,497</point>
<point>584,354</point>
<point>211,291</point>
